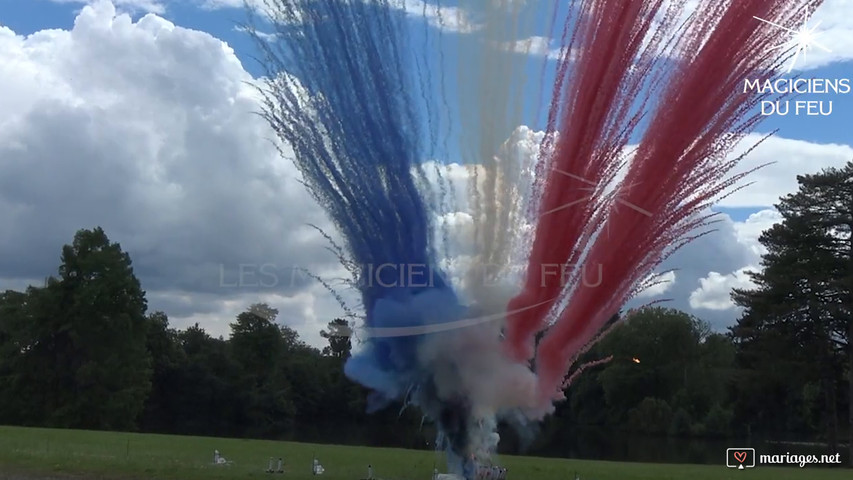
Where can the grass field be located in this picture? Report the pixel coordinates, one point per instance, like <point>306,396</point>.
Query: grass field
<point>34,452</point>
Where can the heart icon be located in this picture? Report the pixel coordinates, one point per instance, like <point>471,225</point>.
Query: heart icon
<point>740,456</point>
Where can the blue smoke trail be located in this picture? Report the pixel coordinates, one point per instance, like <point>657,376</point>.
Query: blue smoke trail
<point>345,107</point>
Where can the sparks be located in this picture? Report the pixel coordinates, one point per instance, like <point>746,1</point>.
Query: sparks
<point>801,40</point>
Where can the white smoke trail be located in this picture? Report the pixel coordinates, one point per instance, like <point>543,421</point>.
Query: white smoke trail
<point>492,82</point>
<point>469,363</point>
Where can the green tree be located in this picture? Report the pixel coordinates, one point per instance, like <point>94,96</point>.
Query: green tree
<point>34,379</point>
<point>210,398</point>
<point>16,343</point>
<point>660,356</point>
<point>718,422</point>
<point>256,341</point>
<point>339,334</point>
<point>169,362</point>
<point>667,343</point>
<point>652,415</point>
<point>99,335</point>
<point>74,349</point>
<point>797,322</point>
<point>259,345</point>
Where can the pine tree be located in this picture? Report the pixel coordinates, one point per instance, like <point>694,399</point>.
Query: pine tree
<point>798,318</point>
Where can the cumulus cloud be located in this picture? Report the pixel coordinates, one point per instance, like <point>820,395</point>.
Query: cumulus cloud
<point>710,267</point>
<point>750,230</point>
<point>832,24</point>
<point>713,295</point>
<point>148,6</point>
<point>714,292</point>
<point>265,36</point>
<point>148,129</point>
<point>660,285</point>
<point>450,19</point>
<point>834,30</point>
<point>535,45</point>
<point>718,251</point>
<point>787,158</point>
<point>216,4</point>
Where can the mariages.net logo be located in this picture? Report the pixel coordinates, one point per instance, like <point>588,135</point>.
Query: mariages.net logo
<point>743,458</point>
<point>740,458</point>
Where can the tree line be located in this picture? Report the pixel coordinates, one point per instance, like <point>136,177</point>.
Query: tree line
<point>82,351</point>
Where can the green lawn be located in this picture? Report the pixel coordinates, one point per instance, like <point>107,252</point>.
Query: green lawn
<point>126,455</point>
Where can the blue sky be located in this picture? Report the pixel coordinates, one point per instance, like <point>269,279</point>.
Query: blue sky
<point>28,16</point>
<point>153,117</point>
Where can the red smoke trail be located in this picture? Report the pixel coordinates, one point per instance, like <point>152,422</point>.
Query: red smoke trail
<point>678,168</point>
<point>611,32</point>
<point>583,367</point>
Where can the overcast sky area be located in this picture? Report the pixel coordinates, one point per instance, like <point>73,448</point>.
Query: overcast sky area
<point>137,116</point>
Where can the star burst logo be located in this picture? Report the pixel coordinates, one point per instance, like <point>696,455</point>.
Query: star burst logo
<point>618,196</point>
<point>801,40</point>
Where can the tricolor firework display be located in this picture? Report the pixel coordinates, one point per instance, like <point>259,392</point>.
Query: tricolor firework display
<point>644,111</point>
